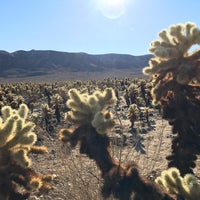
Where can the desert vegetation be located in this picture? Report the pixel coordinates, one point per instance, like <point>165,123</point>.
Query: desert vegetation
<point>117,138</point>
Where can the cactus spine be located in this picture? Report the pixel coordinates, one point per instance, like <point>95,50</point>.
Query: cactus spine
<point>89,109</point>
<point>176,79</point>
<point>187,187</point>
<point>88,112</point>
<point>16,142</point>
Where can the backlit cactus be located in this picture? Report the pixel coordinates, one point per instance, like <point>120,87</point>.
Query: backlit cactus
<point>187,187</point>
<point>90,109</point>
<point>121,181</point>
<point>172,61</point>
<point>133,114</point>
<point>16,135</point>
<point>176,79</point>
<point>17,140</point>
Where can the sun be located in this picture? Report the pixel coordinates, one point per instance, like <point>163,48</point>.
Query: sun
<point>112,9</point>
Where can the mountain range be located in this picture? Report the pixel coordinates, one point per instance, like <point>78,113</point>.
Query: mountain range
<point>20,64</point>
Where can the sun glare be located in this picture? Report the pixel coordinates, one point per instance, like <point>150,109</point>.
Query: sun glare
<point>112,9</point>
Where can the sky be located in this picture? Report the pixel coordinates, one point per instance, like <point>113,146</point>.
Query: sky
<point>90,26</point>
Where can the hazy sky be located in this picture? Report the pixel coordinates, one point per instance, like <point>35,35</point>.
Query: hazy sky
<point>91,26</point>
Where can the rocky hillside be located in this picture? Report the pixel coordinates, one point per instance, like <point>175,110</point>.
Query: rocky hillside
<point>38,63</point>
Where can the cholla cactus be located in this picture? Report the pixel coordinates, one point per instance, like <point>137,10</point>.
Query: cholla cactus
<point>16,135</point>
<point>87,112</point>
<point>17,140</point>
<point>56,99</point>
<point>176,79</point>
<point>89,109</point>
<point>133,92</point>
<point>145,112</point>
<point>187,187</point>
<point>46,116</point>
<point>172,61</point>
<point>133,114</point>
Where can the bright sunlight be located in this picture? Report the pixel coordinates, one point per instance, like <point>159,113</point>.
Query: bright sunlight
<point>112,9</point>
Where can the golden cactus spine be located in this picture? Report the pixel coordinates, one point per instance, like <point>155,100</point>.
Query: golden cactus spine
<point>90,109</point>
<point>176,86</point>
<point>89,114</point>
<point>187,187</point>
<point>17,140</point>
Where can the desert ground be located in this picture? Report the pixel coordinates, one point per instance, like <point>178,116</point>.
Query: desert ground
<point>76,177</point>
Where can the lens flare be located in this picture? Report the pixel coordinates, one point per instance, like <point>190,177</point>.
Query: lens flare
<point>112,9</point>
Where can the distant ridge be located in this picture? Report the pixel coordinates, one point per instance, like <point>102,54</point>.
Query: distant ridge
<point>47,62</point>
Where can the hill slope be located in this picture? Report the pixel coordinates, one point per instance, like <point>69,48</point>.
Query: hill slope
<point>37,63</point>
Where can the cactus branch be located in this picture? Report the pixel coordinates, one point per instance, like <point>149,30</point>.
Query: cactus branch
<point>17,142</point>
<point>120,180</point>
<point>176,79</point>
